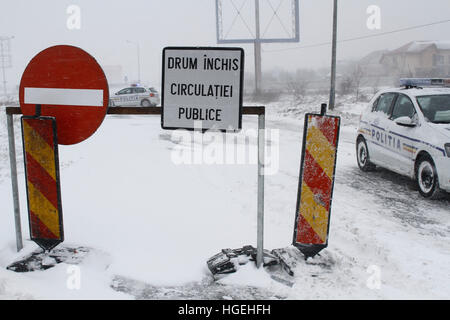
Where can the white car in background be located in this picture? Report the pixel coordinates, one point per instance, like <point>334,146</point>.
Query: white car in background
<point>135,96</point>
<point>407,130</point>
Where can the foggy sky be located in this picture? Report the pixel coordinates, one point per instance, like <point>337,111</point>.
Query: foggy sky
<point>106,25</point>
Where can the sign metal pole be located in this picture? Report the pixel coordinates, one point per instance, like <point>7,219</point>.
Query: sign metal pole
<point>15,191</point>
<point>261,162</point>
<point>257,49</point>
<point>333,59</point>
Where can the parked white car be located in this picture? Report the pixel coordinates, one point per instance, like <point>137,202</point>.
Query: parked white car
<point>407,130</point>
<point>135,96</point>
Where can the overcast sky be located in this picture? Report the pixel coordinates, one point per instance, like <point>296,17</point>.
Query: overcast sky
<point>106,25</point>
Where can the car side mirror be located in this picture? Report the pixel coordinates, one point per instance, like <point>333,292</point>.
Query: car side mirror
<point>405,122</point>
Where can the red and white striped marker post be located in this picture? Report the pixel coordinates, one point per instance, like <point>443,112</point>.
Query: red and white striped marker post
<point>40,148</point>
<point>316,181</point>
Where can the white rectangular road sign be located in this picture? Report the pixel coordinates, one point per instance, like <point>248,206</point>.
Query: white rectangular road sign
<point>202,84</point>
<point>67,97</point>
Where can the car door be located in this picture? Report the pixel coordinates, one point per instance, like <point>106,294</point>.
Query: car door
<point>379,122</point>
<point>403,138</point>
<point>124,97</point>
<point>140,94</point>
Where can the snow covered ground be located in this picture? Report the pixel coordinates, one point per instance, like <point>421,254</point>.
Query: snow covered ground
<point>152,223</point>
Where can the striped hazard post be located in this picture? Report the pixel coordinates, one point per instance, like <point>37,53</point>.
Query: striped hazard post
<point>42,181</point>
<point>317,169</point>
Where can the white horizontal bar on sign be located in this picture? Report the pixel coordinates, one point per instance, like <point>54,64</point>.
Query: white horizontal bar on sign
<point>66,97</point>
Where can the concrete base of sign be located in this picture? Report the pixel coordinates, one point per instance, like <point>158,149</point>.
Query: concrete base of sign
<point>40,260</point>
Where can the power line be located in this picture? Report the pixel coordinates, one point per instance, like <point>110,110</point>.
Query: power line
<point>361,37</point>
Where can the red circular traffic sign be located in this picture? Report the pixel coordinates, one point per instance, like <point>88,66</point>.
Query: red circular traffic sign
<point>69,85</point>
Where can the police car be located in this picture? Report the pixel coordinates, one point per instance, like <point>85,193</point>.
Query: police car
<point>135,95</point>
<point>407,130</point>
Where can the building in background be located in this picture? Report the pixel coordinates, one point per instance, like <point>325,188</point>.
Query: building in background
<point>419,59</point>
<point>371,64</point>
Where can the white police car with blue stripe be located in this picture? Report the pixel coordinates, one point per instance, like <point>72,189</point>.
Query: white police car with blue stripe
<point>407,130</point>
<point>135,95</point>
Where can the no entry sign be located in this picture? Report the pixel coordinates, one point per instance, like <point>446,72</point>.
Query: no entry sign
<point>202,85</point>
<point>70,86</point>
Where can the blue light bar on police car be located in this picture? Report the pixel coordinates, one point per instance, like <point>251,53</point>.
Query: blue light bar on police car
<point>422,82</point>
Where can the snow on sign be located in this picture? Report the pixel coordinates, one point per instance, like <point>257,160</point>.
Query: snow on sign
<point>202,85</point>
<point>70,86</point>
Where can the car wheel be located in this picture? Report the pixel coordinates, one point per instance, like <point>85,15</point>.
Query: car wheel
<point>427,178</point>
<point>362,155</point>
<point>145,103</point>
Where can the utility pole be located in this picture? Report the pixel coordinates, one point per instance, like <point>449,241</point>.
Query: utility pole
<point>257,51</point>
<point>333,59</point>
<point>5,57</point>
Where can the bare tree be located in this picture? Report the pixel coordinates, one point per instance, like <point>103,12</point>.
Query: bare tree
<point>298,88</point>
<point>352,81</point>
<point>345,85</point>
<point>358,75</point>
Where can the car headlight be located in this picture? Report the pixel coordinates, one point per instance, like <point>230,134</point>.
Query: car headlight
<point>447,149</point>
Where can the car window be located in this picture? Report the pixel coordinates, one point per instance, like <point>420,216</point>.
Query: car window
<point>125,91</point>
<point>385,102</point>
<point>139,90</point>
<point>435,108</point>
<point>374,105</point>
<point>403,107</point>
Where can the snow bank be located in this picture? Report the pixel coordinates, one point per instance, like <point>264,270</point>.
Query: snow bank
<point>151,220</point>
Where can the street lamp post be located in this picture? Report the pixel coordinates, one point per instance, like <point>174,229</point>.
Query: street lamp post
<point>138,59</point>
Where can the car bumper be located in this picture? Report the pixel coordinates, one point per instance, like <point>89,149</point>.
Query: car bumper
<point>113,102</point>
<point>155,101</point>
<point>443,171</point>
